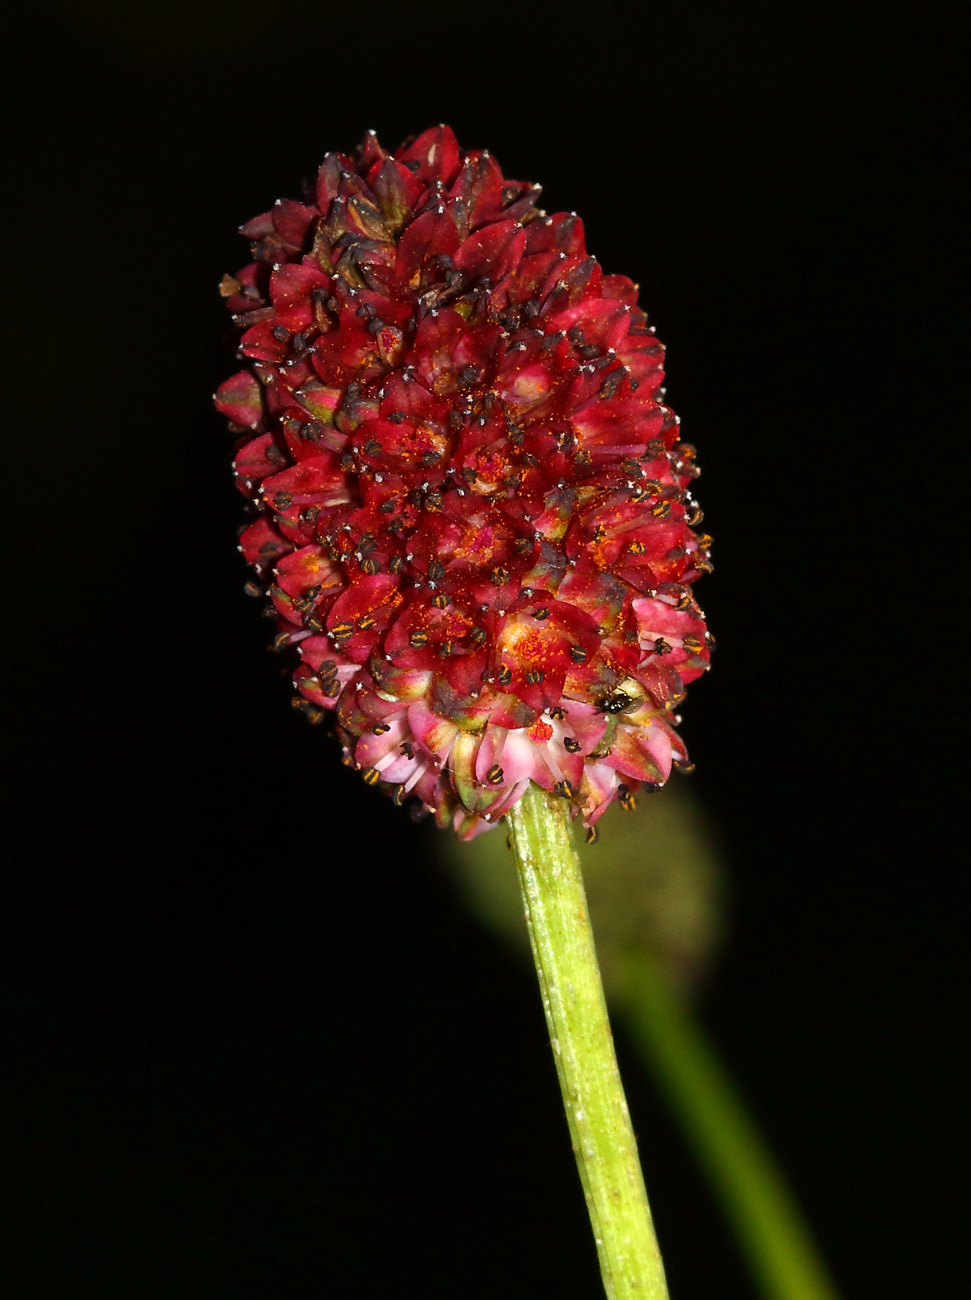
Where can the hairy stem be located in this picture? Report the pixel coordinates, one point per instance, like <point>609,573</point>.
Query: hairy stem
<point>576,1014</point>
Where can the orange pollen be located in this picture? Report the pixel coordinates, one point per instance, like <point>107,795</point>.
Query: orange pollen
<point>540,731</point>
<point>533,648</point>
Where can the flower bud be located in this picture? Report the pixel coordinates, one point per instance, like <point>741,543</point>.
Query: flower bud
<point>471,507</point>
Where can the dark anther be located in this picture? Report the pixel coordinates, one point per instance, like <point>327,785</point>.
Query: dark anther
<point>347,462</point>
<point>280,333</point>
<point>454,419</point>
<point>494,775</point>
<point>685,767</point>
<point>372,447</point>
<point>341,631</point>
<point>282,500</point>
<point>695,516</point>
<point>445,649</point>
<point>436,571</point>
<point>504,676</point>
<point>654,448</point>
<point>592,835</point>
<point>396,417</point>
<point>366,622</point>
<point>610,385</point>
<point>380,728</point>
<point>253,589</point>
<point>407,749</point>
<point>499,576</point>
<point>387,508</point>
<point>535,676</point>
<point>570,745</point>
<point>441,601</point>
<point>479,635</point>
<point>309,711</point>
<point>311,431</point>
<point>691,644</point>
<point>589,350</point>
<point>564,789</point>
<point>661,509</point>
<point>625,798</point>
<point>557,714</point>
<point>396,563</point>
<point>430,458</point>
<point>578,654</point>
<point>541,613</point>
<point>314,622</point>
<point>280,640</point>
<point>433,501</point>
<point>371,775</point>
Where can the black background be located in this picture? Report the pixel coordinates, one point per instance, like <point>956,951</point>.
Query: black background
<point>258,1047</point>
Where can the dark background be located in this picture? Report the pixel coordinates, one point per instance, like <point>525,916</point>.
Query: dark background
<point>258,1048</point>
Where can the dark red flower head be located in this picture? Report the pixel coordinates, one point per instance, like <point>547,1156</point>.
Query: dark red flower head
<point>472,509</point>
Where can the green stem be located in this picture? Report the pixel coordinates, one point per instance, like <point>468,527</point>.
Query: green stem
<point>739,1165</point>
<point>576,1014</point>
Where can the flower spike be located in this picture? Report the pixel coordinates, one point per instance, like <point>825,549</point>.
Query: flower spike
<point>471,509</point>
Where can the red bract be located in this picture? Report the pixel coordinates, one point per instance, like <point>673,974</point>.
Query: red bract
<point>472,506</point>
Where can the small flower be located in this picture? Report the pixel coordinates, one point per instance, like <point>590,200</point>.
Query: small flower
<point>472,508</point>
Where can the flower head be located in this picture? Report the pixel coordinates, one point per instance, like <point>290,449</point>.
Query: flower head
<point>472,508</point>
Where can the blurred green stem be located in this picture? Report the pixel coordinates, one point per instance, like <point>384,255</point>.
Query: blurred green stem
<point>576,1014</point>
<point>739,1165</point>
